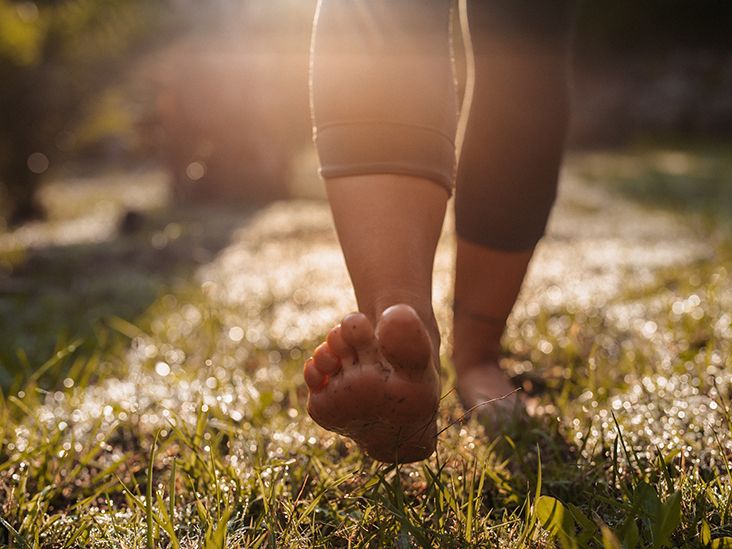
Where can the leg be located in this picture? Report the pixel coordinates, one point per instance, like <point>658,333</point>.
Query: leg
<point>382,386</point>
<point>487,283</point>
<point>384,110</point>
<point>508,176</point>
<point>388,227</point>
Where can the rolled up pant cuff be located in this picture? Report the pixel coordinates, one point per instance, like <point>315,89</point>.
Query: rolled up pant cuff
<point>362,148</point>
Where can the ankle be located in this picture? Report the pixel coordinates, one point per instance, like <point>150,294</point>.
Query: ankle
<point>464,364</point>
<point>475,345</point>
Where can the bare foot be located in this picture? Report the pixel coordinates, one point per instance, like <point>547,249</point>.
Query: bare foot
<point>487,392</point>
<point>382,388</point>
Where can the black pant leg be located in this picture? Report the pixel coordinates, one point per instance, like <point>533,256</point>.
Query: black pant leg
<point>515,135</point>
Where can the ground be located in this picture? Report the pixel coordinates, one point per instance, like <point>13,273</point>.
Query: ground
<point>178,416</point>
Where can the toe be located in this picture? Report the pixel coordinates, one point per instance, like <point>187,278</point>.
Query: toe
<point>338,345</point>
<point>314,379</point>
<point>357,331</point>
<point>325,360</point>
<point>403,339</point>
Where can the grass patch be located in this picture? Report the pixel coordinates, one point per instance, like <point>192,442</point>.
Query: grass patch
<point>188,429</point>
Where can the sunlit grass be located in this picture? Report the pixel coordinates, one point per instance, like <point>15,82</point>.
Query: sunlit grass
<point>187,427</point>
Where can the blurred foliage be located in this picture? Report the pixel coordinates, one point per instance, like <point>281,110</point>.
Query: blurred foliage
<point>20,37</point>
<point>55,59</point>
<point>625,27</point>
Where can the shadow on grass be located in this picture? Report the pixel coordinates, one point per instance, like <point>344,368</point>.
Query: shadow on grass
<point>57,294</point>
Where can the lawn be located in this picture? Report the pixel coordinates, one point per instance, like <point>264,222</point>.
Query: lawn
<point>153,392</point>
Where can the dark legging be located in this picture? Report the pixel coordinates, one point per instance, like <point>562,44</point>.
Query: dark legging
<point>384,100</point>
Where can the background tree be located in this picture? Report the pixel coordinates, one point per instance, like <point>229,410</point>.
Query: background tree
<point>56,57</point>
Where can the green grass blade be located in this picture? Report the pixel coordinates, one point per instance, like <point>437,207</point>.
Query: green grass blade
<point>471,503</point>
<point>18,537</point>
<point>216,539</point>
<point>54,360</point>
<point>668,521</point>
<point>171,490</point>
<point>149,495</point>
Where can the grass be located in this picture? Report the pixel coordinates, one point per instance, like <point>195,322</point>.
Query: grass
<point>51,294</point>
<point>170,430</point>
<point>691,178</point>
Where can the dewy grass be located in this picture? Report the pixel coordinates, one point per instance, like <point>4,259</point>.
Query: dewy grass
<point>188,428</point>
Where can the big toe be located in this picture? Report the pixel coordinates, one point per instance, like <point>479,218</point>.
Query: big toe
<point>403,339</point>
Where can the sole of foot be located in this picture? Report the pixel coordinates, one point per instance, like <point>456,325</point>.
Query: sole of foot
<point>379,387</point>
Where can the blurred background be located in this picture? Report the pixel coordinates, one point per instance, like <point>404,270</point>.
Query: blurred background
<point>215,93</point>
<point>136,135</point>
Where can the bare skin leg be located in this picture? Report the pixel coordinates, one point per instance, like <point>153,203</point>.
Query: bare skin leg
<point>487,283</point>
<point>376,377</point>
